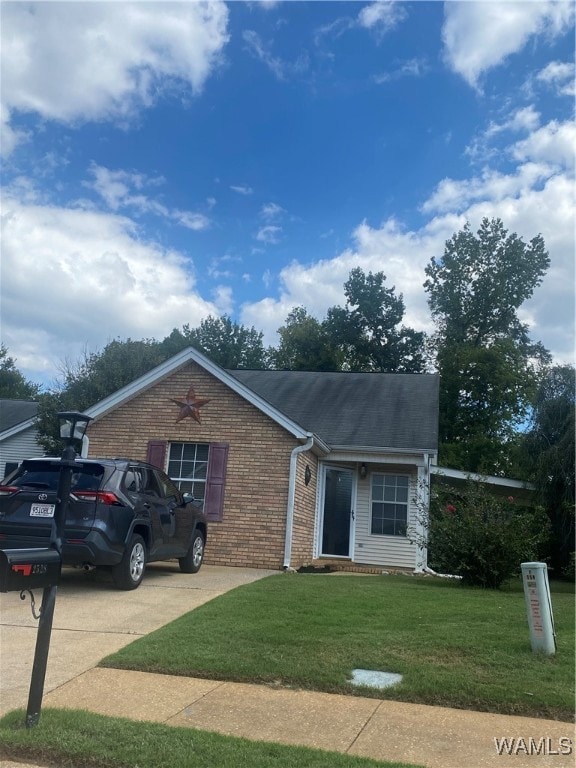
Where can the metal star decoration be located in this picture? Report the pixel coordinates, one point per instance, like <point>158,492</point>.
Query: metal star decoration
<point>190,406</point>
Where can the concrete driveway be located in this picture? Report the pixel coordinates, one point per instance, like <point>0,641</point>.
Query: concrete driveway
<point>93,619</point>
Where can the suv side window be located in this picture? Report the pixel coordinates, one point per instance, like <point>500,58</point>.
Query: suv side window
<point>133,481</point>
<point>149,484</point>
<point>167,488</point>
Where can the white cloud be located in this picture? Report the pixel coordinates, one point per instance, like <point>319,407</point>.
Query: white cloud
<point>242,189</point>
<point>552,143</point>
<point>381,15</point>
<point>194,221</point>
<point>271,211</point>
<point>525,119</point>
<point>269,234</point>
<point>410,68</point>
<point>117,190</point>
<point>84,277</point>
<point>221,267</point>
<point>281,68</point>
<point>223,299</point>
<point>479,36</point>
<point>452,195</point>
<point>559,75</point>
<point>114,58</point>
<point>10,137</point>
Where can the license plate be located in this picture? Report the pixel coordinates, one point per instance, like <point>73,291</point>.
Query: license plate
<point>42,510</point>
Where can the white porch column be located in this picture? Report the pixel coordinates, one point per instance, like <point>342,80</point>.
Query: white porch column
<point>423,509</point>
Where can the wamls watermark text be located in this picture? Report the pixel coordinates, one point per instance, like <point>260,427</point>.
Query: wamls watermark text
<point>518,745</point>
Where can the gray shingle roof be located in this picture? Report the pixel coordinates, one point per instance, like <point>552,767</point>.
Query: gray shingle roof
<point>377,410</point>
<point>13,412</point>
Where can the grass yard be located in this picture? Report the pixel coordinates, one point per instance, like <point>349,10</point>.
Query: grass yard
<point>72,739</point>
<point>459,647</point>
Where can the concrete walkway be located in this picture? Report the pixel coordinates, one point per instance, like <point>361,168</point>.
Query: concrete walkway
<point>434,737</point>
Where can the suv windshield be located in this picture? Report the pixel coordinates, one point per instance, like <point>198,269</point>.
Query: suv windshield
<point>45,475</point>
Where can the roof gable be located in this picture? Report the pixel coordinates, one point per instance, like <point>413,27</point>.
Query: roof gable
<point>178,361</point>
<point>16,415</point>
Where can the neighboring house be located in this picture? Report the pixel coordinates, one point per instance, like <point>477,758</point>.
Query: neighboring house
<point>17,434</point>
<point>293,466</point>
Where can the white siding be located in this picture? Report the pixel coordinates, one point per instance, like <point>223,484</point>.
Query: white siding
<point>18,447</point>
<point>388,551</point>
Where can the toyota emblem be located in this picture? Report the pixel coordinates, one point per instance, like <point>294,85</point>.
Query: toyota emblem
<point>42,496</point>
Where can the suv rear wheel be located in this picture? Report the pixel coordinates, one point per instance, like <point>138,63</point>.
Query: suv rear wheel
<point>130,570</point>
<point>193,560</point>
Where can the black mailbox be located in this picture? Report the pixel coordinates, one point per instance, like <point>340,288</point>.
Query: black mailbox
<point>28,569</point>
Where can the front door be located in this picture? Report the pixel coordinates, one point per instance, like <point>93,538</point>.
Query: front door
<point>338,513</point>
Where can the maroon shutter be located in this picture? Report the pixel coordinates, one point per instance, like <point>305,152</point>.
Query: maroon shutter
<point>156,453</point>
<point>215,481</point>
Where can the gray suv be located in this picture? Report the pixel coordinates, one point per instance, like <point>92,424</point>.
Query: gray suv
<point>122,515</point>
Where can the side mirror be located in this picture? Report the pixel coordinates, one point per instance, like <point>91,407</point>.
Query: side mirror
<point>189,499</point>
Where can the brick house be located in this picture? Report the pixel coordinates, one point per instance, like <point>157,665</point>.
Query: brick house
<point>293,466</point>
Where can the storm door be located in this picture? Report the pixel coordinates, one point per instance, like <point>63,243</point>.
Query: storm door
<point>338,514</point>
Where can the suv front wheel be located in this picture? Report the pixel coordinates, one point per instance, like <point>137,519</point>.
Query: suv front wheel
<point>193,560</point>
<point>130,570</point>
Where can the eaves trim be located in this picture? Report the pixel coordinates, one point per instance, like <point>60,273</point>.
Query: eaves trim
<point>382,449</point>
<point>504,482</point>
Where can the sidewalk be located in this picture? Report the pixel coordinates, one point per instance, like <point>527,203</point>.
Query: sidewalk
<point>435,737</point>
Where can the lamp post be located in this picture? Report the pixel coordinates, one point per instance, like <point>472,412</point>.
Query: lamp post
<point>72,428</point>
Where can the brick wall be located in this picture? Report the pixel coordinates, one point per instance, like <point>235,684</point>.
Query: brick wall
<point>254,522</point>
<point>304,511</point>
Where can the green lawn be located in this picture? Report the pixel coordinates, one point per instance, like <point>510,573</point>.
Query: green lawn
<point>71,739</point>
<point>466,648</point>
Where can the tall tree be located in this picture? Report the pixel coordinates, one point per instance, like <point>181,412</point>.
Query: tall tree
<point>547,453</point>
<point>367,330</point>
<point>92,378</point>
<point>304,345</point>
<point>227,343</point>
<point>13,385</point>
<point>487,362</point>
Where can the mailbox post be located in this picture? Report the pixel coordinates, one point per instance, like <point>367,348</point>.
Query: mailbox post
<point>25,569</point>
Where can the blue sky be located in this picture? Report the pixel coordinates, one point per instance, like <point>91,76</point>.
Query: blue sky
<point>175,160</point>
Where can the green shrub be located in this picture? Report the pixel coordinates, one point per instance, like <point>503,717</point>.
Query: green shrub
<point>482,537</point>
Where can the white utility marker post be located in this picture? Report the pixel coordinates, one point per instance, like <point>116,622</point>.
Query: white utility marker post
<point>539,607</point>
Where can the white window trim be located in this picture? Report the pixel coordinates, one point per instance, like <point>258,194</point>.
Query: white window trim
<point>394,536</point>
<point>178,480</point>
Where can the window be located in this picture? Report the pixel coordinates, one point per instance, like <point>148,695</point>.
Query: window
<point>196,468</point>
<point>187,467</point>
<point>45,475</point>
<point>390,504</point>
